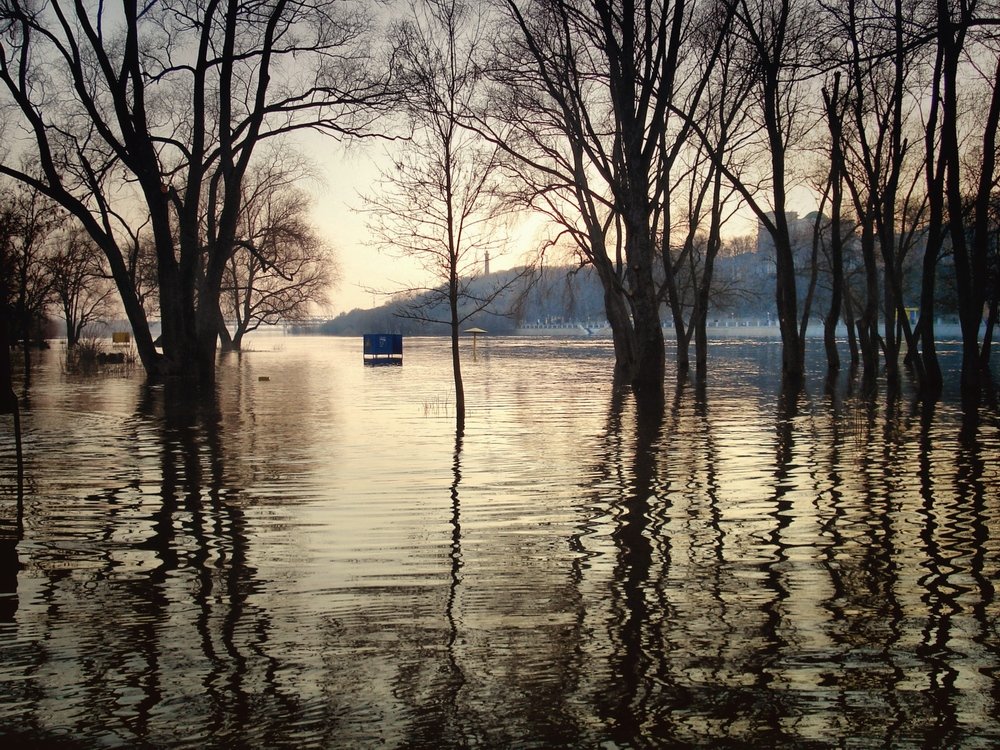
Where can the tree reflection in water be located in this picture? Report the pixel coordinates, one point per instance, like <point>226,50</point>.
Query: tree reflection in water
<point>283,565</point>
<point>845,618</point>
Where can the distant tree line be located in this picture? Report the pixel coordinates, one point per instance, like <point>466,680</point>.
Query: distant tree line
<point>639,129</point>
<point>279,269</point>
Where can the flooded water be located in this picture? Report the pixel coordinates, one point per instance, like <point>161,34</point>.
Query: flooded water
<point>314,558</point>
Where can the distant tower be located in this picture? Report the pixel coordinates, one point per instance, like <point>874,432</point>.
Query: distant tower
<point>487,269</point>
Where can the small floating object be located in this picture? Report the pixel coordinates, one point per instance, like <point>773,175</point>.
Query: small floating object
<point>383,348</point>
<point>264,379</point>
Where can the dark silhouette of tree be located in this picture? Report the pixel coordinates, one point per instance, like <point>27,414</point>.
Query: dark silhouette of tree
<point>777,34</point>
<point>835,115</point>
<point>961,174</point>
<point>435,202</point>
<point>281,267</point>
<point>8,399</point>
<point>875,46</point>
<point>79,282</point>
<point>27,220</point>
<point>722,110</point>
<point>153,113</point>
<point>545,114</point>
<point>585,114</point>
<point>969,233</point>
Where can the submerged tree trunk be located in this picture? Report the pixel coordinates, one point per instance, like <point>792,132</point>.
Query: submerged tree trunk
<point>836,232</point>
<point>792,354</point>
<point>969,243</point>
<point>650,361</point>
<point>622,333</point>
<point>933,382</point>
<point>456,361</point>
<point>230,342</point>
<point>991,322</point>
<point>868,322</point>
<point>850,324</point>
<point>681,333</point>
<point>699,316</point>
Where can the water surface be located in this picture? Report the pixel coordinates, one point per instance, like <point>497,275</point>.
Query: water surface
<point>314,558</point>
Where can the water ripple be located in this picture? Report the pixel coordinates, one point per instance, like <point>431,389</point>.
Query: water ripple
<point>317,559</point>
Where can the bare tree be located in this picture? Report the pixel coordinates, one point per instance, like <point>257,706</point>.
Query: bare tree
<point>724,85</point>
<point>435,202</point>
<point>876,47</point>
<point>776,39</point>
<point>961,144</point>
<point>593,86</point>
<point>154,112</point>
<point>970,231</point>
<point>281,267</point>
<point>835,115</point>
<point>777,34</point>
<point>27,219</point>
<point>546,114</point>
<point>79,282</point>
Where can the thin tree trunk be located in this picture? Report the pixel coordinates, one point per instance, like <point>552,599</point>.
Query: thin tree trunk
<point>836,256</point>
<point>933,382</point>
<point>852,337</point>
<point>702,298</point>
<point>456,366</point>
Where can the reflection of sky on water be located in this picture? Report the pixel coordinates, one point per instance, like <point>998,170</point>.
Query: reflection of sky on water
<point>316,559</point>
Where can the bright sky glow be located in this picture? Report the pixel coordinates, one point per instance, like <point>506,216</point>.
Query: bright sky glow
<point>369,275</point>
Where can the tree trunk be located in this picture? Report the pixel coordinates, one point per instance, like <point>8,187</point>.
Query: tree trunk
<point>991,322</point>
<point>456,366</point>
<point>792,355</point>
<point>72,331</point>
<point>230,342</point>
<point>650,362</point>
<point>620,321</point>
<point>207,333</point>
<point>890,303</point>
<point>817,235</point>
<point>699,317</point>
<point>968,252</point>
<point>933,381</point>
<point>849,323</point>
<point>837,280</point>
<point>868,322</point>
<point>786,297</point>
<point>681,332</point>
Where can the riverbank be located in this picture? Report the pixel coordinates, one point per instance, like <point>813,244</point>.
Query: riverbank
<point>731,328</point>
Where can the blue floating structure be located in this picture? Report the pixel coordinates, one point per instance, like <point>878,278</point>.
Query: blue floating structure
<point>383,348</point>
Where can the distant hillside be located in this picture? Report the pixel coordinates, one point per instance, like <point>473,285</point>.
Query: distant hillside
<point>559,293</point>
<point>555,294</point>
